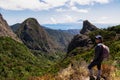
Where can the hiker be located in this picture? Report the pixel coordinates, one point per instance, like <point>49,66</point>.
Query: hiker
<point>97,59</point>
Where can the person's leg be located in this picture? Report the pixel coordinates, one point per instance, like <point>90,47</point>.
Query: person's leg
<point>99,70</point>
<point>92,64</point>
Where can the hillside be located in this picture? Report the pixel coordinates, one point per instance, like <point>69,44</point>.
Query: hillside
<point>15,26</point>
<point>16,61</point>
<point>60,37</point>
<point>72,31</point>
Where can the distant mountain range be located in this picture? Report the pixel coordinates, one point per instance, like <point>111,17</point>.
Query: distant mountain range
<point>64,26</point>
<point>78,25</point>
<point>71,31</point>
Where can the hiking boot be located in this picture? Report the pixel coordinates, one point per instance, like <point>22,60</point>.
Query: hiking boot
<point>98,78</point>
<point>92,78</point>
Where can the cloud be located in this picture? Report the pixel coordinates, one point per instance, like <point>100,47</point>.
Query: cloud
<point>68,18</point>
<point>44,4</point>
<point>53,20</point>
<point>73,8</point>
<point>60,10</point>
<point>102,19</point>
<point>62,19</point>
<point>30,4</point>
<point>22,4</point>
<point>80,20</point>
<point>79,10</point>
<point>88,2</point>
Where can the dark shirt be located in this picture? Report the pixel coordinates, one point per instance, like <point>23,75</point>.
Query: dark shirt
<point>98,52</point>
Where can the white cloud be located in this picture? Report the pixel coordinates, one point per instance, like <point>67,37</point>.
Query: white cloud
<point>88,2</point>
<point>53,20</point>
<point>60,10</point>
<point>44,5</point>
<point>55,3</point>
<point>79,10</point>
<point>73,8</point>
<point>69,18</point>
<point>30,4</point>
<point>102,1</point>
<point>22,4</point>
<point>102,19</point>
<point>62,19</point>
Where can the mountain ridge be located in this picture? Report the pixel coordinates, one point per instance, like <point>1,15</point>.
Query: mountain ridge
<point>34,36</point>
<point>61,38</point>
<point>5,30</point>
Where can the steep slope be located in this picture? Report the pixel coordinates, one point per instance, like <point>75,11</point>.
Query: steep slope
<point>60,37</point>
<point>15,26</point>
<point>72,31</point>
<point>16,61</point>
<point>5,30</point>
<point>34,36</point>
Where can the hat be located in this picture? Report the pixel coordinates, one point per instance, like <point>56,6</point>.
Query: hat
<point>98,37</point>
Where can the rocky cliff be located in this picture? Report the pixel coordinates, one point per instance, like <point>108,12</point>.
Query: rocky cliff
<point>5,30</point>
<point>87,27</point>
<point>82,39</point>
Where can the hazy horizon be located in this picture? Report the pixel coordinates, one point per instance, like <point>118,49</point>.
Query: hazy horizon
<point>67,26</point>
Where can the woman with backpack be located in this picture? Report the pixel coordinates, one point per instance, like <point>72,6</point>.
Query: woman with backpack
<point>98,58</point>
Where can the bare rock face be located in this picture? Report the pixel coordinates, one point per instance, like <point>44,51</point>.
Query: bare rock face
<point>5,30</point>
<point>82,39</point>
<point>78,41</point>
<point>87,27</point>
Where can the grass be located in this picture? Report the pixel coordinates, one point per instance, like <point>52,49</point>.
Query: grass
<point>17,62</point>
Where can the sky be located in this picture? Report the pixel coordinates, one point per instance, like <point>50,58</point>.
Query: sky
<point>55,12</point>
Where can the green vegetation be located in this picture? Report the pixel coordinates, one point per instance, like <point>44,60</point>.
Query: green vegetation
<point>17,62</point>
<point>107,35</point>
<point>115,28</point>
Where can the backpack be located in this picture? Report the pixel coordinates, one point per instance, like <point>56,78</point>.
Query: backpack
<point>106,51</point>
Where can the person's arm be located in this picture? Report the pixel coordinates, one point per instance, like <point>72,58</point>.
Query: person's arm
<point>98,52</point>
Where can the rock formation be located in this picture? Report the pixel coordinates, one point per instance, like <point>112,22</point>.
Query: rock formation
<point>87,27</point>
<point>82,39</point>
